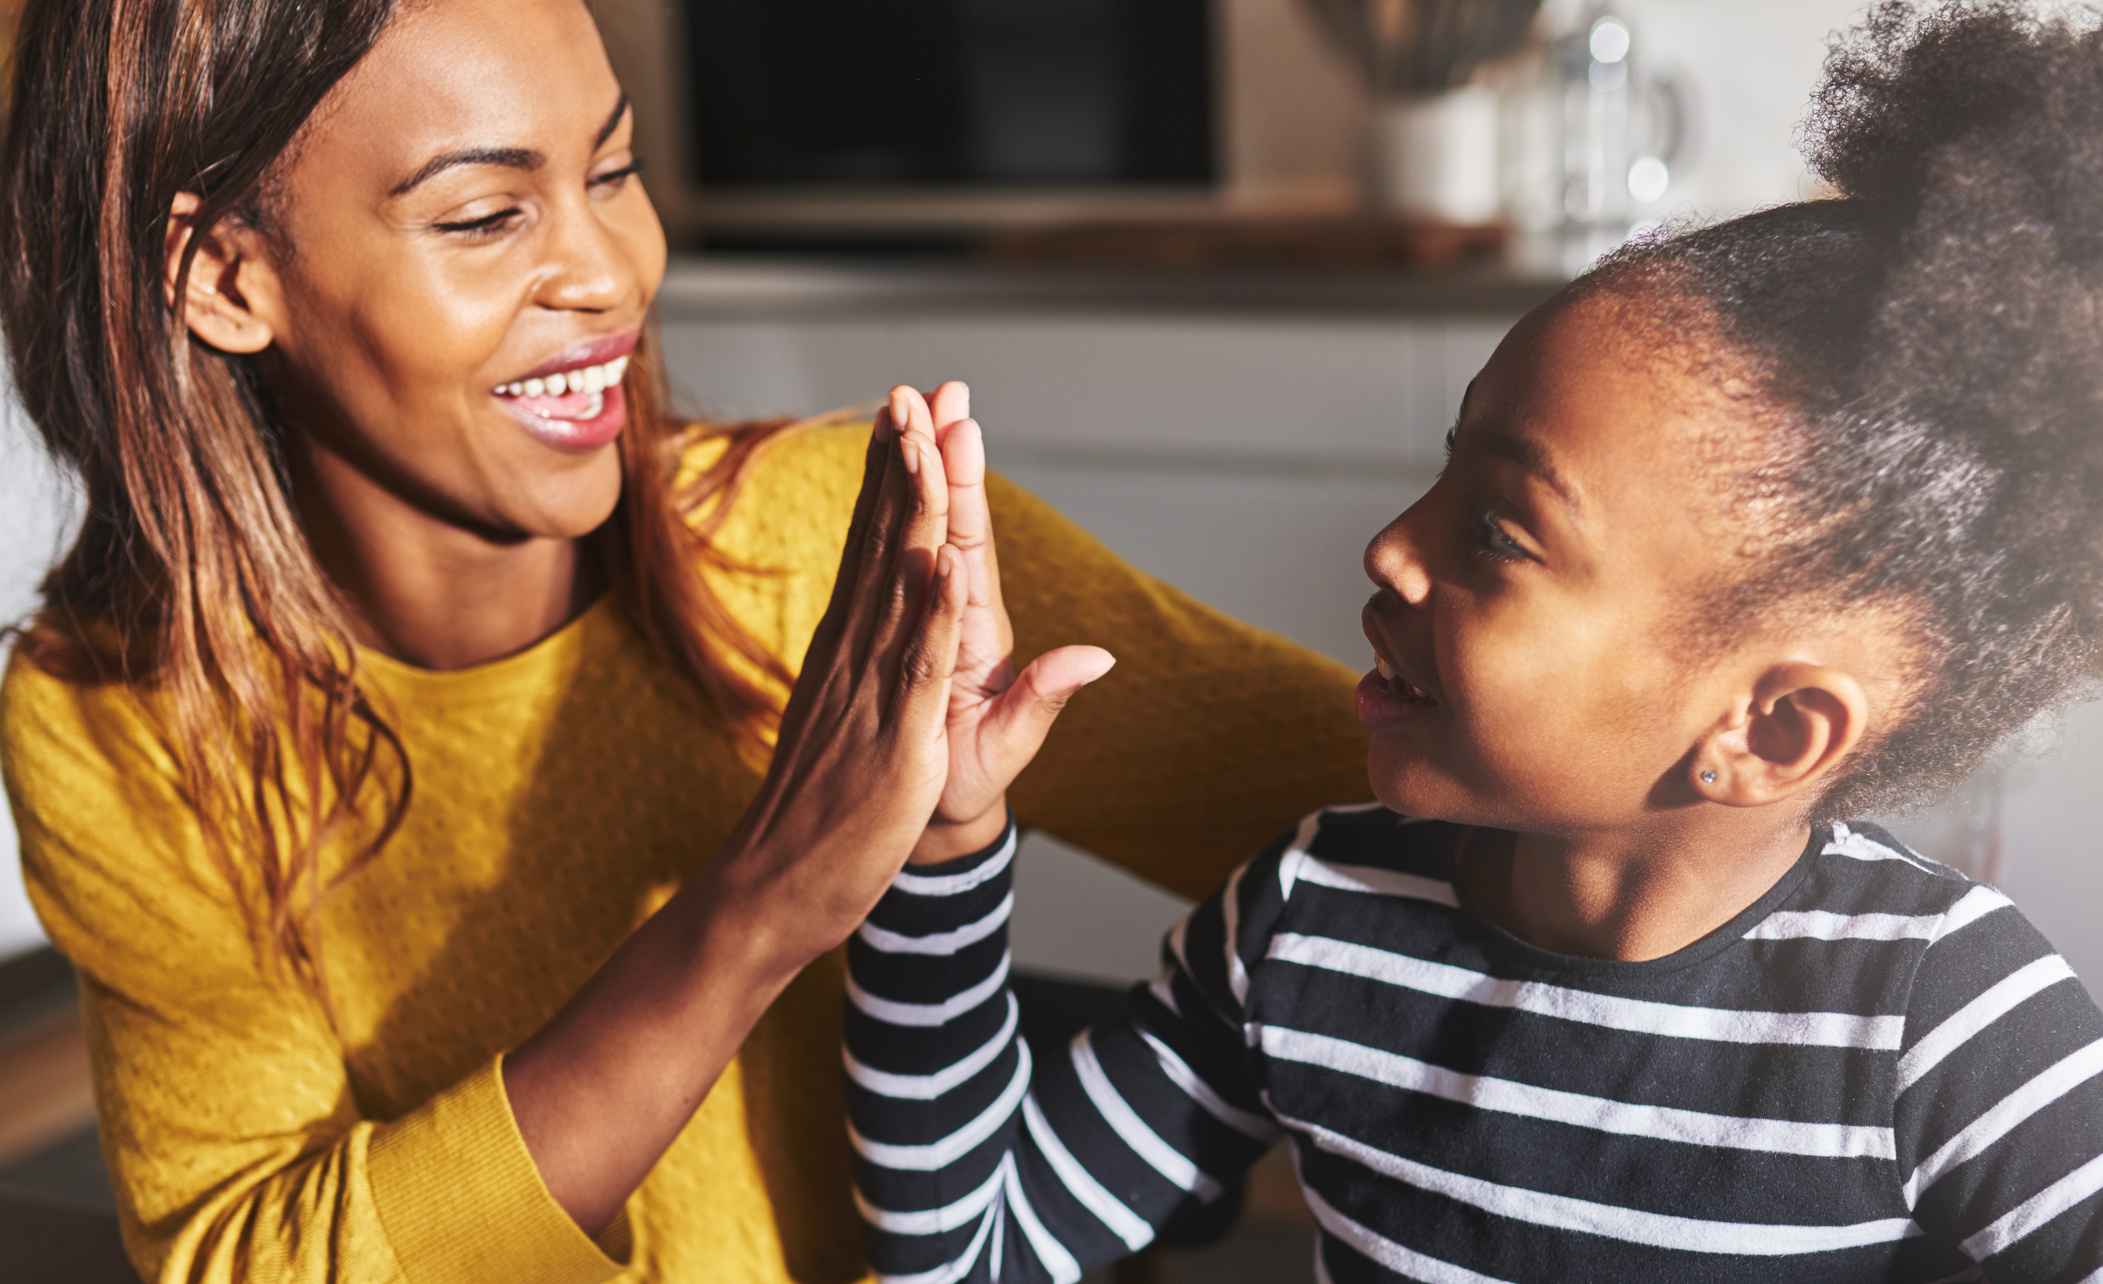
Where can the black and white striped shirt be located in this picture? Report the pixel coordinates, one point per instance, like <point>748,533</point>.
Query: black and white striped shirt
<point>1879,1072</point>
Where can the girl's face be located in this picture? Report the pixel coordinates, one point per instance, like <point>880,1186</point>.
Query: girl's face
<point>462,259</point>
<point>1535,605</point>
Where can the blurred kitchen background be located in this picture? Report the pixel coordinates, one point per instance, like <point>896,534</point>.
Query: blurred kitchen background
<point>1217,272</point>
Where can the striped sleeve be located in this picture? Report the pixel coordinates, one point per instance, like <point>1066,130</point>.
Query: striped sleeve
<point>974,1162</point>
<point>1999,1113</point>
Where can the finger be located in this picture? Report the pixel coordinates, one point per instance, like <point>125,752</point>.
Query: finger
<point>949,404</point>
<point>1023,714</point>
<point>926,519</point>
<point>876,463</point>
<point>929,660</point>
<point>988,638</point>
<point>890,515</point>
<point>964,463</point>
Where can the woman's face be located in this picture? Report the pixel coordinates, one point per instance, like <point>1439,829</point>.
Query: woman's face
<point>458,235</point>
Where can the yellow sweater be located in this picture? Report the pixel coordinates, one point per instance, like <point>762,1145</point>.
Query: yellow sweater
<point>561,795</point>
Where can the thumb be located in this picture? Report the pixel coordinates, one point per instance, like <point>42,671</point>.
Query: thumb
<point>1023,714</point>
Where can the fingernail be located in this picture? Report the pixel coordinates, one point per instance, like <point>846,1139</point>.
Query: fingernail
<point>912,455</point>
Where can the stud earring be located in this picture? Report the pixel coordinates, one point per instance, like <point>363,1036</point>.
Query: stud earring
<point>1708,777</point>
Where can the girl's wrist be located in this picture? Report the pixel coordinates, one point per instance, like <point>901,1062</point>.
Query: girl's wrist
<point>948,840</point>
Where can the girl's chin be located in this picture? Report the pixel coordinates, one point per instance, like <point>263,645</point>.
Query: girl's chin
<point>1408,784</point>
<point>596,423</point>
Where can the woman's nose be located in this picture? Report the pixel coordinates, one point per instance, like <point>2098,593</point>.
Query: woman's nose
<point>1394,560</point>
<point>586,268</point>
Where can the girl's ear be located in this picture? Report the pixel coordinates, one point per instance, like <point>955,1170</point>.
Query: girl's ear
<point>1798,725</point>
<point>227,281</point>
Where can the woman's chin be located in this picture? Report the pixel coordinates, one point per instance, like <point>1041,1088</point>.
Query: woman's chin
<point>569,503</point>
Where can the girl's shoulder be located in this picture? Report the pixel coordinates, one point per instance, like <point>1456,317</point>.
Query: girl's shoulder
<point>1859,868</point>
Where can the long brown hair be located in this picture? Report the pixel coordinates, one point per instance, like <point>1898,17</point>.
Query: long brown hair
<point>191,580</point>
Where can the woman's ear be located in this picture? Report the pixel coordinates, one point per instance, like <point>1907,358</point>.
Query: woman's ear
<point>227,280</point>
<point>1799,724</point>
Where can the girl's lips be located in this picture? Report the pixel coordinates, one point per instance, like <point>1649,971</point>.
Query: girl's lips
<point>1381,705</point>
<point>597,419</point>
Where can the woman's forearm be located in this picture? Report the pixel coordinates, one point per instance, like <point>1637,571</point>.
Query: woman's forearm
<point>602,1089</point>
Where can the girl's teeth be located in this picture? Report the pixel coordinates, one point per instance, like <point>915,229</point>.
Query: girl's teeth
<point>1386,670</point>
<point>590,379</point>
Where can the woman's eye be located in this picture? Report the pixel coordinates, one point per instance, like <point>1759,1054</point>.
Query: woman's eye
<point>614,180</point>
<point>489,225</point>
<point>1495,543</point>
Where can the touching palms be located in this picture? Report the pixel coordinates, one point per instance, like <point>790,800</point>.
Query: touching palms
<point>997,719</point>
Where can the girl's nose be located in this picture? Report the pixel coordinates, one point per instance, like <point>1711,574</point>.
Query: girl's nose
<point>1394,560</point>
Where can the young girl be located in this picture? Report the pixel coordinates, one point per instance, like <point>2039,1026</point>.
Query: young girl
<point>1751,530</point>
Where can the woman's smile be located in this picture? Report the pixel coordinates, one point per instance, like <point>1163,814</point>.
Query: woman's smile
<point>573,401</point>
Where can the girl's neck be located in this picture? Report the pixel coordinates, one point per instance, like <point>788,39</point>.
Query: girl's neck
<point>431,592</point>
<point>1628,897</point>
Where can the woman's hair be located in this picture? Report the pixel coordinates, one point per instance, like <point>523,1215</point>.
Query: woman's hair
<point>191,579</point>
<point>1933,339</point>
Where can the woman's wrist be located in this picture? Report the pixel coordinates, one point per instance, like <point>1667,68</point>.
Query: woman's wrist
<point>948,840</point>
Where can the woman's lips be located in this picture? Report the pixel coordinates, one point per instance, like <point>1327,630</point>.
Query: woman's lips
<point>581,421</point>
<point>1386,698</point>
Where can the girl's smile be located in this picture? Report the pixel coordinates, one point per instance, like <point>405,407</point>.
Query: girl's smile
<point>1386,697</point>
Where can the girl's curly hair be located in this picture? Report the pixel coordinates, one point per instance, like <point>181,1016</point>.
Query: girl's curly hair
<point>1934,340</point>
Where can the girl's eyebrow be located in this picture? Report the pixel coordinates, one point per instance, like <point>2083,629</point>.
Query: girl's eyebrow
<point>1529,455</point>
<point>525,158</point>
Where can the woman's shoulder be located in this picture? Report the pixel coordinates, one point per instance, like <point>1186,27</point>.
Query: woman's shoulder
<point>775,493</point>
<point>783,458</point>
<point>54,721</point>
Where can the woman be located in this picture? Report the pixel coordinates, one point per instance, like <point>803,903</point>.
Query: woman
<point>392,752</point>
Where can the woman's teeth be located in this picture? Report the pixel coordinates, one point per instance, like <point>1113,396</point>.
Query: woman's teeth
<point>590,380</point>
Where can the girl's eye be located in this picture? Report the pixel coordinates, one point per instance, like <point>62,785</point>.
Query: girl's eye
<point>1495,543</point>
<point>481,229</point>
<point>613,180</point>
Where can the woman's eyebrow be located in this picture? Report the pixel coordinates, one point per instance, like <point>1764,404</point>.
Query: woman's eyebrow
<point>526,158</point>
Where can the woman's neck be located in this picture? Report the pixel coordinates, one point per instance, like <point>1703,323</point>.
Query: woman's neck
<point>1629,896</point>
<point>431,592</point>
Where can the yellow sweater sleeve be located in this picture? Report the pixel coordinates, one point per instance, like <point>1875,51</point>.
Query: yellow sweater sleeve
<point>234,1140</point>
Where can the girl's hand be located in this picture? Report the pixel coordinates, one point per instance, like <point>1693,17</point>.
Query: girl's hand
<point>997,720</point>
<point>863,752</point>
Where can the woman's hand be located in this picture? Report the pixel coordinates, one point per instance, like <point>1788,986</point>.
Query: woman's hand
<point>997,720</point>
<point>863,753</point>
<point>862,759</point>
